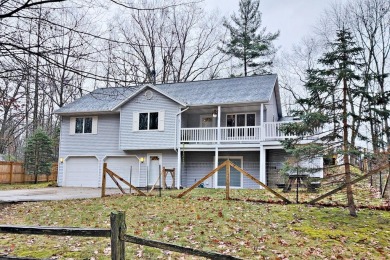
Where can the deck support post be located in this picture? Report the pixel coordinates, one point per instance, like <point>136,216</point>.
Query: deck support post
<point>219,126</point>
<point>215,177</point>
<point>178,172</point>
<point>263,165</point>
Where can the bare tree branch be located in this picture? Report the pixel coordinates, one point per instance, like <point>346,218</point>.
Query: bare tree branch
<point>27,4</point>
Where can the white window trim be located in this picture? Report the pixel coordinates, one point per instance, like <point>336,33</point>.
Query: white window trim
<point>242,177</point>
<point>235,122</point>
<point>161,121</point>
<point>72,126</point>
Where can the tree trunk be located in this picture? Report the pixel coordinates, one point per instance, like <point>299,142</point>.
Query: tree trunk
<point>347,169</point>
<point>245,63</point>
<point>36,84</point>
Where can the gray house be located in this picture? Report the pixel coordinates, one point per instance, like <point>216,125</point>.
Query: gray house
<point>192,127</point>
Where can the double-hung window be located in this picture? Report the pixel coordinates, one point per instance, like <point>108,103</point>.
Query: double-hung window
<point>148,121</point>
<point>83,125</point>
<point>144,121</point>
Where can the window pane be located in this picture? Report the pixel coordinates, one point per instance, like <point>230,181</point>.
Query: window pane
<point>235,176</point>
<point>241,120</point>
<point>153,123</point>
<point>143,121</point>
<point>231,120</point>
<point>88,125</point>
<point>79,125</point>
<point>250,119</point>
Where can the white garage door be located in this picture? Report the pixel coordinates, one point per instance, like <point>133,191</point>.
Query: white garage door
<point>126,167</point>
<point>82,172</point>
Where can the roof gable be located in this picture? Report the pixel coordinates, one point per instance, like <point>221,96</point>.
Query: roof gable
<point>144,88</point>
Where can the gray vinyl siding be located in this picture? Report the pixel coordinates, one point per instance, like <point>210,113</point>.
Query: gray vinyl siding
<point>169,160</point>
<point>196,165</point>
<point>153,139</point>
<point>272,111</point>
<point>275,159</point>
<point>104,143</point>
<point>276,155</point>
<point>193,120</point>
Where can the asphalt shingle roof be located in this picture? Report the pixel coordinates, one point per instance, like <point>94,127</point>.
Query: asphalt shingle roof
<point>99,100</point>
<point>223,91</point>
<point>194,93</point>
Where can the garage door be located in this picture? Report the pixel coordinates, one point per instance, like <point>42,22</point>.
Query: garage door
<point>82,172</point>
<point>126,167</point>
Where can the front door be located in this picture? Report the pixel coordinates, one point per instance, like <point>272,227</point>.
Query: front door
<point>235,176</point>
<point>154,168</point>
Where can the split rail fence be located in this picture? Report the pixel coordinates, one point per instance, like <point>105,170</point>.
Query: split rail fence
<point>117,234</point>
<point>13,172</point>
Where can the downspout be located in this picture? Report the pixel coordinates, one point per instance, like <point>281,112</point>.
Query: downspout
<point>185,109</point>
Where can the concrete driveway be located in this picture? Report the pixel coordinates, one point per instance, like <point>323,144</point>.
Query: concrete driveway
<point>53,193</point>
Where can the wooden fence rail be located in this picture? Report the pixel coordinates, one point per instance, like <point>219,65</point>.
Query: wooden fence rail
<point>227,164</point>
<point>118,236</point>
<point>13,172</point>
<point>114,178</point>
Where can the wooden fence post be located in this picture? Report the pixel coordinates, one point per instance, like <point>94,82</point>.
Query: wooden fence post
<point>164,178</point>
<point>104,180</point>
<point>11,172</point>
<point>118,231</point>
<point>228,180</point>
<point>24,173</point>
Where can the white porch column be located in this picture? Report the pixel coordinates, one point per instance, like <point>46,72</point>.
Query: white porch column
<point>219,125</point>
<point>178,171</point>
<point>263,177</point>
<point>262,132</point>
<point>215,180</point>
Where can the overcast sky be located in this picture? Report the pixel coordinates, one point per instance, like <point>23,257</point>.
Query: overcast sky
<point>294,18</point>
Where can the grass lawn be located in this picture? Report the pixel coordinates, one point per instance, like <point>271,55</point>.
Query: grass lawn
<point>21,186</point>
<point>203,220</point>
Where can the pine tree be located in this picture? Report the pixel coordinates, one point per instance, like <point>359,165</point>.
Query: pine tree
<point>332,90</point>
<point>38,154</point>
<point>248,41</point>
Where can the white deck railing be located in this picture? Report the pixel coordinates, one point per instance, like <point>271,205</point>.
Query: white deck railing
<point>272,131</point>
<point>199,135</point>
<point>245,134</point>
<point>240,134</point>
